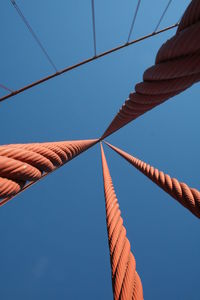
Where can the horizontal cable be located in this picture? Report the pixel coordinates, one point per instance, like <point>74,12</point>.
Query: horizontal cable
<point>29,86</point>
<point>33,34</point>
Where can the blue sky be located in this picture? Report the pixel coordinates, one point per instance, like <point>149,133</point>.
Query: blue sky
<point>53,236</point>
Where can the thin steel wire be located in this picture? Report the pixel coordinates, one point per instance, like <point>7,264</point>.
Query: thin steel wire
<point>94,29</point>
<point>67,69</point>
<point>33,34</point>
<point>5,88</point>
<point>133,21</point>
<point>163,14</point>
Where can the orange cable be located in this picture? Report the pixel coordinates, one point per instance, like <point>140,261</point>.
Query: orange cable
<point>22,165</point>
<point>177,68</point>
<point>125,280</point>
<point>186,196</point>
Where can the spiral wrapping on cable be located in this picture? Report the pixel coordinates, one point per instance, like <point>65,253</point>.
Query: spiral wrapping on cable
<point>188,197</point>
<point>126,281</point>
<point>22,163</point>
<point>177,67</point>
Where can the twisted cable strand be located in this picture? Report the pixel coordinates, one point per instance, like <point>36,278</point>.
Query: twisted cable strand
<point>21,164</point>
<point>125,280</point>
<point>188,197</point>
<point>9,187</point>
<point>177,67</point>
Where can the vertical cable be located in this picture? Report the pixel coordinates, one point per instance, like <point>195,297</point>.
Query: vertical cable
<point>163,14</point>
<point>126,282</point>
<point>33,33</point>
<point>94,31</point>
<point>133,22</point>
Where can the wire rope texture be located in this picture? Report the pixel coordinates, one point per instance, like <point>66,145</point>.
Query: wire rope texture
<point>186,196</point>
<point>125,280</point>
<point>177,68</point>
<point>23,163</point>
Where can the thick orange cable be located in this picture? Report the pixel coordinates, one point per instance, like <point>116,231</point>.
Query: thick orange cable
<point>125,280</point>
<point>177,67</point>
<point>23,164</point>
<point>188,197</point>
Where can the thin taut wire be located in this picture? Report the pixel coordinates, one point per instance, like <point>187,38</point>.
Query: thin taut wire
<point>86,61</point>
<point>163,14</point>
<point>5,88</point>
<point>134,18</point>
<point>94,31</point>
<point>33,33</point>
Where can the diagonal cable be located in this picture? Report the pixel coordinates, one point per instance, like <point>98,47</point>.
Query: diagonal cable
<point>22,165</point>
<point>176,68</point>
<point>133,22</point>
<point>5,88</point>
<point>94,31</point>
<point>86,61</point>
<point>163,14</point>
<point>180,191</point>
<point>33,34</point>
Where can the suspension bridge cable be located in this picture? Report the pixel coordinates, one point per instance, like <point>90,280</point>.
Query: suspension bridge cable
<point>180,191</point>
<point>133,21</point>
<point>176,68</point>
<point>33,33</point>
<point>126,282</point>
<point>5,88</point>
<point>163,14</point>
<point>22,165</point>
<point>67,69</point>
<point>94,31</point>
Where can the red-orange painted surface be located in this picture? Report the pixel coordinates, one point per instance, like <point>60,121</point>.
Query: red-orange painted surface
<point>177,67</point>
<point>188,197</point>
<point>23,163</point>
<point>126,282</point>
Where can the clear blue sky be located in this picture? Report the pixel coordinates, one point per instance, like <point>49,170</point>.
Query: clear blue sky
<point>53,236</point>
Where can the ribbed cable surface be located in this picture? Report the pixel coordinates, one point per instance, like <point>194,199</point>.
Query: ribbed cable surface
<point>188,197</point>
<point>177,67</point>
<point>125,280</point>
<point>22,163</point>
